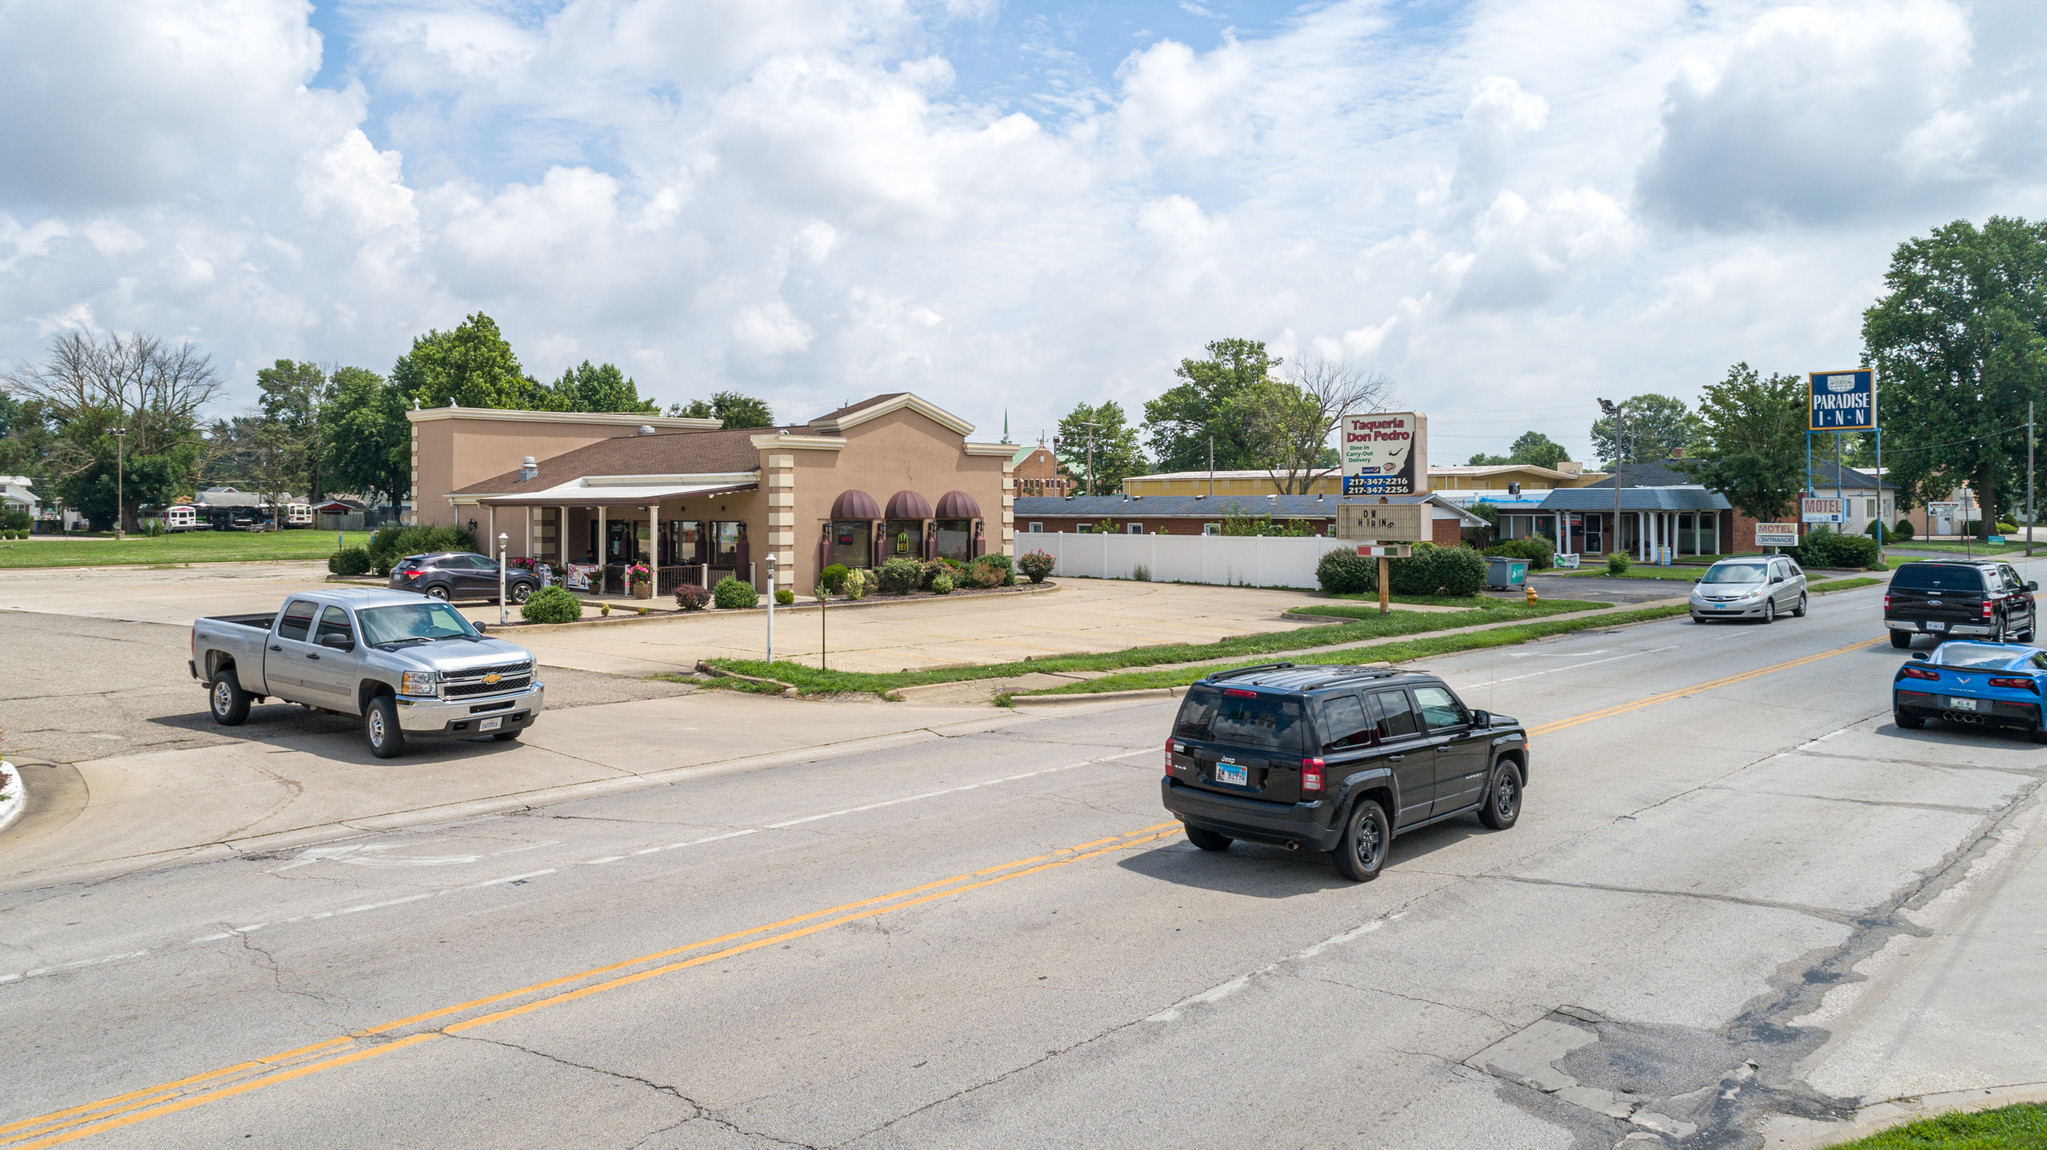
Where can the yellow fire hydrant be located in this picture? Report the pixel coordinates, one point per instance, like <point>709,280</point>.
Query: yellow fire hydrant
<point>1531,594</point>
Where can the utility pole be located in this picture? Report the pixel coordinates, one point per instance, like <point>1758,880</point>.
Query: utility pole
<point>2029,479</point>
<point>1619,461</point>
<point>1058,441</point>
<point>1211,467</point>
<point>120,483</point>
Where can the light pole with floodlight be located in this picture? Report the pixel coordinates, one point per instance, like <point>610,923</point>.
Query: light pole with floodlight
<point>120,481</point>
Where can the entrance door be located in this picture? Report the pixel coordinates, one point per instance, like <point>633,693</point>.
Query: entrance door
<point>1595,535</point>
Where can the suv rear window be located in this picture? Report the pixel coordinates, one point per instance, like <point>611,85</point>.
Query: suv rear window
<point>1240,719</point>
<point>1938,577</point>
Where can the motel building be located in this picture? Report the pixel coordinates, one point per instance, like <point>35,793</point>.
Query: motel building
<point>594,493</point>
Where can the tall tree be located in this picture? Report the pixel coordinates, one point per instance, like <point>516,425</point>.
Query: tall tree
<point>1287,424</point>
<point>1115,454</point>
<point>600,388</point>
<point>369,440</point>
<point>1182,422</point>
<point>732,409</point>
<point>1537,450</point>
<point>1959,343</point>
<point>92,384</point>
<point>471,366</point>
<point>1752,447</point>
<point>294,398</point>
<point>1656,427</point>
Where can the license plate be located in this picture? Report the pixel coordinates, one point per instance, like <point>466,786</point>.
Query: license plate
<point>1962,704</point>
<point>491,724</point>
<point>1936,626</point>
<point>1233,774</point>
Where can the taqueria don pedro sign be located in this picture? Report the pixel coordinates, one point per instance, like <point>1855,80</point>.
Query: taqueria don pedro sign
<point>1385,453</point>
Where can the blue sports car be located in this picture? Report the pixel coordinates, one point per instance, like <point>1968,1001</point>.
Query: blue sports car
<point>1985,684</point>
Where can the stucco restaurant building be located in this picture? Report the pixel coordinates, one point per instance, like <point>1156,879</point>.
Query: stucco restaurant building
<point>891,475</point>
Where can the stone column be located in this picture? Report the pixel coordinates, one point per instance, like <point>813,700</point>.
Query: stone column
<point>780,475</point>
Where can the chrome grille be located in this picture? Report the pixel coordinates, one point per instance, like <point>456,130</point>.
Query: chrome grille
<point>469,683</point>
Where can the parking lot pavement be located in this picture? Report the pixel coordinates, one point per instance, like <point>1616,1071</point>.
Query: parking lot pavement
<point>1607,590</point>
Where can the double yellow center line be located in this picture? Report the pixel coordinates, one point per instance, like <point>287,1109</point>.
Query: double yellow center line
<point>198,1090</point>
<point>186,1093</point>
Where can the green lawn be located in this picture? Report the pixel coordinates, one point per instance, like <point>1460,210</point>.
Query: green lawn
<point>1468,602</point>
<point>1372,625</point>
<point>2007,1128</point>
<point>1395,652</point>
<point>1638,571</point>
<point>1826,585</point>
<point>1945,548</point>
<point>193,547</point>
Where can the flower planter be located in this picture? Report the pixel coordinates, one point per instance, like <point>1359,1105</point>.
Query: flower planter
<point>643,590</point>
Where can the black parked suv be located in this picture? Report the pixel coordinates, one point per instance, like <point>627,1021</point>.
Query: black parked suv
<point>1980,599</point>
<point>1336,759</point>
<point>459,575</point>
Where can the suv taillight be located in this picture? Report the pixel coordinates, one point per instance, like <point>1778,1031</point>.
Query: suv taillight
<point>1311,775</point>
<point>1169,756</point>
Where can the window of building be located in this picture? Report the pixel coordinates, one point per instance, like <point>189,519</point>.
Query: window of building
<point>725,542</point>
<point>1869,506</point>
<point>1085,528</point>
<point>852,543</point>
<point>955,537</point>
<point>1211,529</point>
<point>1133,529</point>
<point>1037,528</point>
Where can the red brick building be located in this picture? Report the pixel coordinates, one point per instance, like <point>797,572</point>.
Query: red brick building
<point>1037,473</point>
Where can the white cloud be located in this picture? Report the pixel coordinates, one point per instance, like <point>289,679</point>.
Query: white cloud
<point>809,199</point>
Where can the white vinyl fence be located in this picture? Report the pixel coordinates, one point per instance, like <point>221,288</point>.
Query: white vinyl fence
<point>1257,560</point>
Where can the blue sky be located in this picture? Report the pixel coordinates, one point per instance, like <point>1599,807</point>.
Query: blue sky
<point>1508,207</point>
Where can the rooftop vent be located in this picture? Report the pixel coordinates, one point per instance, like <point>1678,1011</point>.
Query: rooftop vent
<point>646,429</point>
<point>529,468</point>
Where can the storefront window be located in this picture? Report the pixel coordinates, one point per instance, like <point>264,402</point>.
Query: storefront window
<point>725,540</point>
<point>955,538</point>
<point>904,538</point>
<point>851,546</point>
<point>681,542</point>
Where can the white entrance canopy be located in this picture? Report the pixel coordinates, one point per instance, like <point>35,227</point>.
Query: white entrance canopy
<point>583,493</point>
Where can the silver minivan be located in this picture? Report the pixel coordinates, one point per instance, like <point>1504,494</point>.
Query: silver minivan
<point>1758,587</point>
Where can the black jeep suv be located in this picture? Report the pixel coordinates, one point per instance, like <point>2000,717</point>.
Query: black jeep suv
<point>1336,759</point>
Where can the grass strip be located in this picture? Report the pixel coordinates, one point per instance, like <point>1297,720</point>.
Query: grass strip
<point>2006,1128</point>
<point>196,547</point>
<point>1825,586</point>
<point>812,681</point>
<point>1680,574</point>
<point>1395,652</point>
<point>1496,609</point>
<point>1475,602</point>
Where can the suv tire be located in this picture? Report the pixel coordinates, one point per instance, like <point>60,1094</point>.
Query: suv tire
<point>1769,610</point>
<point>380,728</point>
<point>1502,797</point>
<point>1361,853</point>
<point>226,699</point>
<point>520,592</point>
<point>1208,840</point>
<point>1798,612</point>
<point>1901,639</point>
<point>438,591</point>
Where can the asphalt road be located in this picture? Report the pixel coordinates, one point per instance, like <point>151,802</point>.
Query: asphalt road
<point>998,940</point>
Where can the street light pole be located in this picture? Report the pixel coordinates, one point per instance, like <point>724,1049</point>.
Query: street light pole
<point>120,482</point>
<point>504,612</point>
<point>1619,455</point>
<point>772,586</point>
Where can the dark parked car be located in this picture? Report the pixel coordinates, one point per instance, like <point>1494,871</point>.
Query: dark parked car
<point>1336,759</point>
<point>459,575</point>
<point>1982,598</point>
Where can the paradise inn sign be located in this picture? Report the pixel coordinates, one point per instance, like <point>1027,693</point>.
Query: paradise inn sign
<point>1843,401</point>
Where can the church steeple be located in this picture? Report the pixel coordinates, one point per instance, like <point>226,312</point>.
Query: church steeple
<point>1005,425</point>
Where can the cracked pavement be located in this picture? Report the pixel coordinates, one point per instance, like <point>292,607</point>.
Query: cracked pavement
<point>1749,916</point>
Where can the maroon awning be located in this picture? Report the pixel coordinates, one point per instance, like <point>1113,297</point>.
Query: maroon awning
<point>908,505</point>
<point>853,503</point>
<point>957,505</point>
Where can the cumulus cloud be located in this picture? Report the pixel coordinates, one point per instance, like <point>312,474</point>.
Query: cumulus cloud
<point>810,199</point>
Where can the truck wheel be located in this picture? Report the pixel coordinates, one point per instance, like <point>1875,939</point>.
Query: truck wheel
<point>1362,851</point>
<point>380,727</point>
<point>229,703</point>
<point>1208,840</point>
<point>1502,797</point>
<point>1901,639</point>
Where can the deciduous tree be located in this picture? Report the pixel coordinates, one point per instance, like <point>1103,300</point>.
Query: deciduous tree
<point>1656,427</point>
<point>471,366</point>
<point>730,408</point>
<point>1182,422</point>
<point>1752,447</point>
<point>1116,454</point>
<point>369,440</point>
<point>1287,424</point>
<point>600,388</point>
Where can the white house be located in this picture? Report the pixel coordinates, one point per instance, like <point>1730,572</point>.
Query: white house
<point>16,493</point>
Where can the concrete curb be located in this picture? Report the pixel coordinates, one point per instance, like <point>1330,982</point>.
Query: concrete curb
<point>1099,697</point>
<point>628,615</point>
<point>17,793</point>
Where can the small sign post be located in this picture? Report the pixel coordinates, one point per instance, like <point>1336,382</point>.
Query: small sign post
<point>1390,528</point>
<point>1776,534</point>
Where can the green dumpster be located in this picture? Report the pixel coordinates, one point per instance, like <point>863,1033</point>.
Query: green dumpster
<point>1505,573</point>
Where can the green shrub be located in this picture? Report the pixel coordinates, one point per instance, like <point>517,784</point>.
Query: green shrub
<point>998,562</point>
<point>1431,570</point>
<point>932,570</point>
<point>1140,573</point>
<point>784,597</point>
<point>2004,528</point>
<point>349,561</point>
<point>1618,563</point>
<point>1874,526</point>
<point>551,605</point>
<point>1036,565</point>
<point>1540,553</point>
<point>1823,547</point>
<point>1903,530</point>
<point>15,521</point>
<point>834,578</point>
<point>391,544</point>
<point>732,593</point>
<point>900,576</point>
<point>942,583</point>
<point>691,597</point>
<point>857,582</point>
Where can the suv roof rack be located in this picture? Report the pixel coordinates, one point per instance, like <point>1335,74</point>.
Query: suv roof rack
<point>1374,673</point>
<point>1221,675</point>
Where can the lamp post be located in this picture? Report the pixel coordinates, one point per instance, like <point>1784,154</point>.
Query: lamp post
<point>772,586</point>
<point>120,482</point>
<point>504,612</point>
<point>1619,461</point>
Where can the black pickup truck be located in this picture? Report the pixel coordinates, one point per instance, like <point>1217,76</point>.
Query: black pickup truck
<point>1977,599</point>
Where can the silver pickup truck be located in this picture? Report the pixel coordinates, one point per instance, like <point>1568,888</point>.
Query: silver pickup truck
<point>411,666</point>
